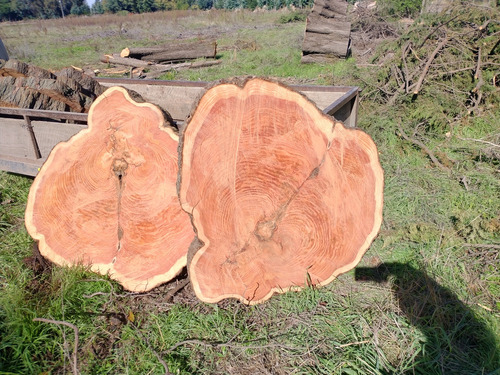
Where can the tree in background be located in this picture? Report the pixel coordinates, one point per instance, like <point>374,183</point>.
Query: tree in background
<point>400,8</point>
<point>146,6</point>
<point>97,7</point>
<point>26,9</point>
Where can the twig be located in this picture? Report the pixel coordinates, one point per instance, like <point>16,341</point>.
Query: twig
<point>163,363</point>
<point>225,344</point>
<point>481,245</point>
<point>75,329</point>
<point>424,148</point>
<point>484,307</point>
<point>171,293</point>
<point>480,141</point>
<point>352,343</point>
<point>404,52</point>
<point>428,64</point>
<point>480,81</point>
<point>436,29</point>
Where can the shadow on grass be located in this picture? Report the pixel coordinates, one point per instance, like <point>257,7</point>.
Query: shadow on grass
<point>456,341</point>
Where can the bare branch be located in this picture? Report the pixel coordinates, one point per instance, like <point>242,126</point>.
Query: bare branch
<point>428,64</point>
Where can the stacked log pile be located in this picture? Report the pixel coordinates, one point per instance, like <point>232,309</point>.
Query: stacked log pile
<point>277,195</point>
<point>27,86</point>
<point>328,32</point>
<point>160,59</point>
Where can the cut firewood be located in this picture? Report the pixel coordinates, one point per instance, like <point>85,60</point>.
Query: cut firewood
<point>327,32</point>
<point>81,82</point>
<point>127,61</point>
<point>107,197</point>
<point>173,52</point>
<point>281,196</point>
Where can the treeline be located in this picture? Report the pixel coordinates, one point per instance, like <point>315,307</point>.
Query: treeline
<point>143,6</point>
<point>14,10</point>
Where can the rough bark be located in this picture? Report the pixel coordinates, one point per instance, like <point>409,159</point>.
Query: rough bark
<point>281,195</point>
<point>327,31</point>
<point>16,68</point>
<point>16,93</point>
<point>81,82</point>
<point>107,197</point>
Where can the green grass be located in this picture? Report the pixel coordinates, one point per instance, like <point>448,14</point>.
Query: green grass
<point>424,299</point>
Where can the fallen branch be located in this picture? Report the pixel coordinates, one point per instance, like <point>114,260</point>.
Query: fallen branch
<point>436,29</point>
<point>481,245</point>
<point>172,292</point>
<point>480,82</point>
<point>159,69</point>
<point>480,141</point>
<point>75,329</point>
<point>352,343</point>
<point>428,64</point>
<point>424,148</point>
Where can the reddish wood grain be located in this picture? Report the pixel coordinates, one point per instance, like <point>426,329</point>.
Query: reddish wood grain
<point>281,195</point>
<point>107,198</point>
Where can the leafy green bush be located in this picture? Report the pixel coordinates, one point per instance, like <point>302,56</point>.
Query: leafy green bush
<point>400,8</point>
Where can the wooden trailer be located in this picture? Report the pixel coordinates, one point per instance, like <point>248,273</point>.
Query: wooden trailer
<point>27,136</point>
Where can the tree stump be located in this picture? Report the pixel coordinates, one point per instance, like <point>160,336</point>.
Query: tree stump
<point>107,198</point>
<point>281,196</point>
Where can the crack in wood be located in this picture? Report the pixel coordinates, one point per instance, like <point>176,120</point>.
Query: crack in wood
<point>264,229</point>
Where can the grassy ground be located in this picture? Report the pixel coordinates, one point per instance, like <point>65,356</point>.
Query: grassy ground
<point>425,299</point>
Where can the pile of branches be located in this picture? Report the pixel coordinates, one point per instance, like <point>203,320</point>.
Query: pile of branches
<point>449,60</point>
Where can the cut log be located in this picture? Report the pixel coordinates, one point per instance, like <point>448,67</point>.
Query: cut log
<point>81,82</point>
<point>281,195</point>
<point>57,90</point>
<point>16,68</point>
<point>127,61</point>
<point>173,52</point>
<point>42,93</point>
<point>15,93</point>
<point>107,198</point>
<point>328,31</point>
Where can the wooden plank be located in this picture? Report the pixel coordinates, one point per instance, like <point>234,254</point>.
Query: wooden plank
<point>345,108</point>
<point>177,100</point>
<point>23,166</point>
<point>15,139</point>
<point>322,99</point>
<point>54,115</point>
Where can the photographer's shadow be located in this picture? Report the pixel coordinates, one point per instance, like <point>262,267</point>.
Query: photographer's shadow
<point>457,342</point>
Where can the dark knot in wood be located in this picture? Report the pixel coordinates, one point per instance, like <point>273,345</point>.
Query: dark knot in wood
<point>264,230</point>
<point>119,167</point>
